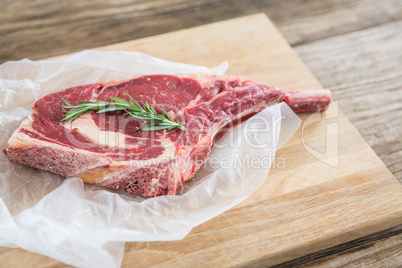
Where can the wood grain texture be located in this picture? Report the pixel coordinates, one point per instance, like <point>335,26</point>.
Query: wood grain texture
<point>306,205</point>
<point>367,84</point>
<point>44,28</point>
<point>362,69</point>
<point>382,249</point>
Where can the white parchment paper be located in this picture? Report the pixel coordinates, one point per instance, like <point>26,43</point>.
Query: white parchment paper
<point>87,226</point>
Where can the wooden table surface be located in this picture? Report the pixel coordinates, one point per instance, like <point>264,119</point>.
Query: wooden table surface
<point>352,47</point>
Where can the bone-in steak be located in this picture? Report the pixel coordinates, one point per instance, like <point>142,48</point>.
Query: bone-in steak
<point>106,150</point>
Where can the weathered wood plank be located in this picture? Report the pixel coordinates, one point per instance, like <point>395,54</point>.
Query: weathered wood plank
<point>312,197</point>
<point>303,21</point>
<point>384,253</point>
<point>383,249</point>
<point>40,29</point>
<point>363,71</point>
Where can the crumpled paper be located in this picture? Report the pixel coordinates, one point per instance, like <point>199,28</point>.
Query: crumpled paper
<point>87,226</point>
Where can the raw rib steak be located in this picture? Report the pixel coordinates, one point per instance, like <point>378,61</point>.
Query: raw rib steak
<point>106,150</point>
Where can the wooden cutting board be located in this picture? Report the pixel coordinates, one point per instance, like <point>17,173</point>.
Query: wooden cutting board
<point>326,187</point>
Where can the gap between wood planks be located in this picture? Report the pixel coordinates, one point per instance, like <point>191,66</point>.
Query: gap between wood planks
<point>362,68</point>
<point>345,59</point>
<point>41,29</point>
<point>363,71</point>
<point>379,249</point>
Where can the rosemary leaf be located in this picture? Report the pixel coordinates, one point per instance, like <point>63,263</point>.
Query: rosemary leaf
<point>141,112</point>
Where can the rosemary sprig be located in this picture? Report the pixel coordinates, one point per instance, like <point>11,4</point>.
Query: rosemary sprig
<point>142,112</point>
